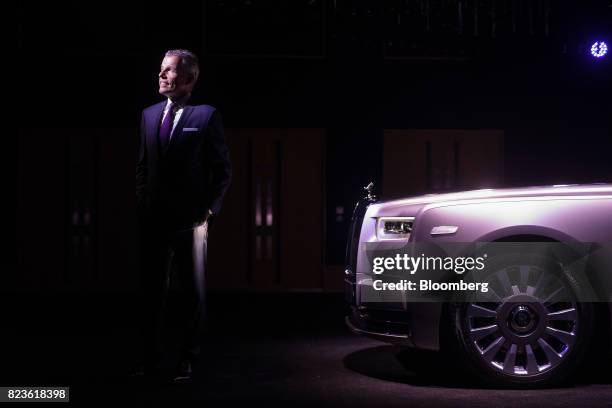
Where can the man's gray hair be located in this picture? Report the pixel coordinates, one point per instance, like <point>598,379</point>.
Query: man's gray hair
<point>189,61</point>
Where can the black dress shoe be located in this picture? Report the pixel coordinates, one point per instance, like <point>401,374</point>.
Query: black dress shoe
<point>145,370</point>
<point>184,372</point>
<point>137,372</point>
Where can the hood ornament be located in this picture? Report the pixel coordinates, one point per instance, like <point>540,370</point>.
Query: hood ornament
<point>370,189</point>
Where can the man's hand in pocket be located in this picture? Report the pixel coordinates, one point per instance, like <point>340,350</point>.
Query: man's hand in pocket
<point>204,221</point>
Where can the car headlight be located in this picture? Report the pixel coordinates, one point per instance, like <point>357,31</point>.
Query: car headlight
<point>394,228</point>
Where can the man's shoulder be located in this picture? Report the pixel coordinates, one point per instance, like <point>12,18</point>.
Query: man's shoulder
<point>154,108</point>
<point>205,109</point>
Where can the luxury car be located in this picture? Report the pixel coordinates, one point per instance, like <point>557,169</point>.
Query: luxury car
<point>543,314</point>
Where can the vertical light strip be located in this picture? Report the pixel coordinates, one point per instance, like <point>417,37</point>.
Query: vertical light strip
<point>258,209</point>
<point>269,205</point>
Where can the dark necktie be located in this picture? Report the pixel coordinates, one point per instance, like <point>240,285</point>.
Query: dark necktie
<point>166,127</point>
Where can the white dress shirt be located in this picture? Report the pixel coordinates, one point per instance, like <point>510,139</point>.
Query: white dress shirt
<point>177,114</point>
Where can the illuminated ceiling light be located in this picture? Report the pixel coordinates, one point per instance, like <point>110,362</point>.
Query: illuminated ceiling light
<point>599,49</point>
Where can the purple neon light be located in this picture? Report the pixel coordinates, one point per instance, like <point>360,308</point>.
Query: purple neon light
<point>599,49</point>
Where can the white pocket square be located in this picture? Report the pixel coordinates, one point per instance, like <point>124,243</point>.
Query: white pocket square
<point>190,129</point>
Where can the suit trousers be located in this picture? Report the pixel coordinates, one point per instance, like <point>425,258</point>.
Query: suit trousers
<point>179,255</point>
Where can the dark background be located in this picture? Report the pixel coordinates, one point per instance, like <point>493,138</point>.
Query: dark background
<point>283,74</point>
<point>349,69</point>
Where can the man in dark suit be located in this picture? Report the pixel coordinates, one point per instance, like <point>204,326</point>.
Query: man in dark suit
<point>183,172</point>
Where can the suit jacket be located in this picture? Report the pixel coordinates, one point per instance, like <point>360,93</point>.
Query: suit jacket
<point>177,186</point>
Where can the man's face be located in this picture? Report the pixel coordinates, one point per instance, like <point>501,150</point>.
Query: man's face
<point>174,82</point>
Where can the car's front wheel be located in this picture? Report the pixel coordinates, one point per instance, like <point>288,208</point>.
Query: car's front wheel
<point>529,329</point>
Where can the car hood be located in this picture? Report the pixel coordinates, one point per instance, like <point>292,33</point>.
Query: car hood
<point>492,194</point>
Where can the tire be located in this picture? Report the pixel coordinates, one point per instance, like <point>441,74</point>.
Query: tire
<point>529,331</point>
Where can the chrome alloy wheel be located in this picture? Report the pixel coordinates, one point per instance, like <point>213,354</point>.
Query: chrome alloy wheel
<point>527,324</point>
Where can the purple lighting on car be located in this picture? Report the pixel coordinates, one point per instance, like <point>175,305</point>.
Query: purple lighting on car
<point>599,49</point>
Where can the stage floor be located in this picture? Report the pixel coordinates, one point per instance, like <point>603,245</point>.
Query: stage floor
<point>272,349</point>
